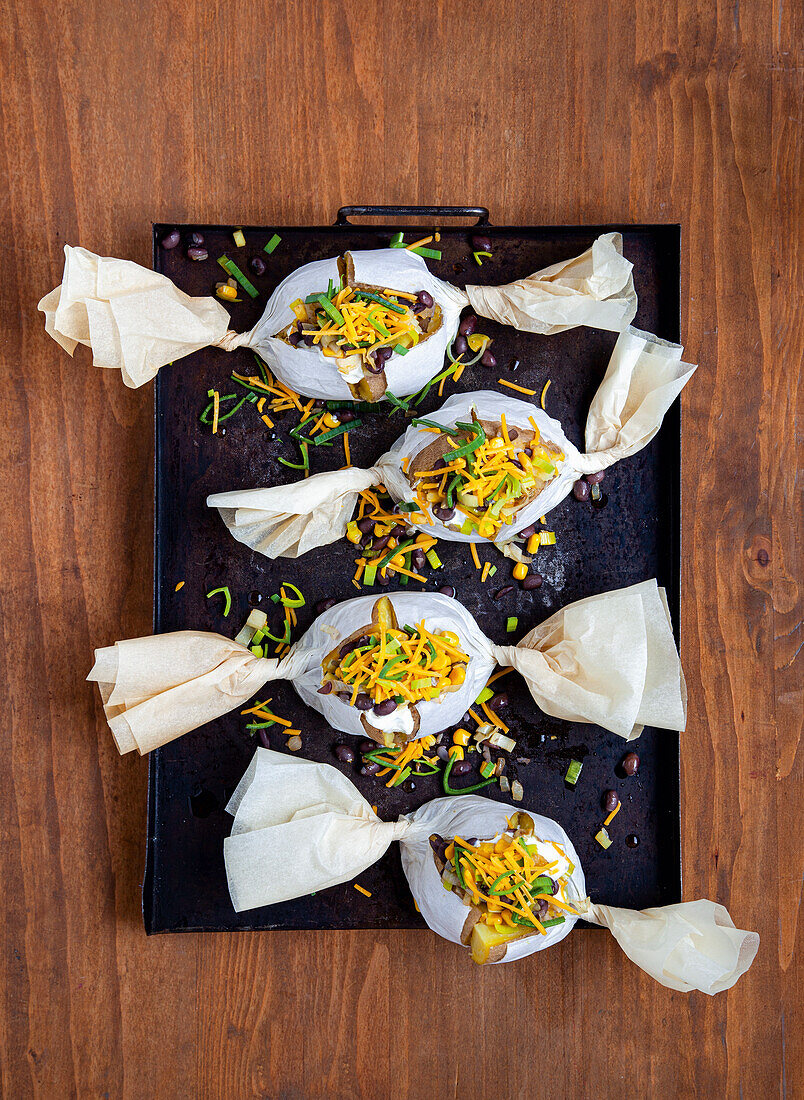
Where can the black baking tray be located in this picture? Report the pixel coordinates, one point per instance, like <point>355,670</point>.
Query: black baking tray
<point>634,537</point>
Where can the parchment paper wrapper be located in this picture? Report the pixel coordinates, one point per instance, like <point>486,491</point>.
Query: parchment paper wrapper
<point>301,827</point>
<point>609,659</point>
<point>644,377</point>
<point>136,320</point>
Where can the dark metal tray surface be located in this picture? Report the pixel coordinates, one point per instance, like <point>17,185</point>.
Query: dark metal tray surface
<point>634,537</point>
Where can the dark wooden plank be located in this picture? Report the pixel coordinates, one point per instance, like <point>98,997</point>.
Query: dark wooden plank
<point>590,112</point>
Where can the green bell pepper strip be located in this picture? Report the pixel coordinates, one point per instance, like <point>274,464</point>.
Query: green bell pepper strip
<point>472,445</point>
<point>285,637</point>
<point>205,418</point>
<point>554,921</point>
<point>456,863</point>
<point>325,437</point>
<point>383,675</point>
<point>493,892</point>
<point>401,549</point>
<point>464,790</point>
<point>452,487</point>
<point>298,602</point>
<point>231,268</point>
<point>383,331</point>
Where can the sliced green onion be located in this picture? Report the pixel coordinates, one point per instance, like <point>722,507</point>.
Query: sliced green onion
<point>325,437</point>
<point>239,239</point>
<point>370,575</point>
<point>493,570</point>
<point>274,241</point>
<point>553,922</point>
<point>285,636</point>
<point>573,771</point>
<point>417,420</point>
<point>459,362</point>
<point>433,558</point>
<point>298,602</point>
<point>511,624</point>
<point>477,256</point>
<point>260,725</point>
<point>487,769</point>
<point>227,596</point>
<point>378,298</point>
<point>256,650</point>
<point>484,695</point>
<point>332,311</point>
<point>400,349</point>
<point>398,240</point>
<point>403,578</point>
<point>400,777</point>
<point>603,838</point>
<point>383,331</point>
<point>428,253</point>
<point>232,269</point>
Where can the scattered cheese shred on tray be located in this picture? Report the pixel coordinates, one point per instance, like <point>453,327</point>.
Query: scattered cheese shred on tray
<point>613,814</point>
<point>544,392</point>
<point>178,586</point>
<point>366,893</point>
<point>513,386</point>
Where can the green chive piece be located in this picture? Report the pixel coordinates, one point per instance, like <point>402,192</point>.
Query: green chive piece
<point>383,331</point>
<point>433,558</point>
<point>239,239</point>
<point>573,771</point>
<point>477,256</point>
<point>398,240</point>
<point>428,253</point>
<point>325,437</point>
<point>400,349</point>
<point>274,241</point>
<point>370,575</point>
<point>487,769</point>
<point>333,312</point>
<point>232,269</point>
<point>554,921</point>
<point>484,695</point>
<point>227,596</point>
<point>378,298</point>
<point>511,624</point>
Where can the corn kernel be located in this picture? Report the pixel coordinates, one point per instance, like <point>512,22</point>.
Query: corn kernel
<point>457,675</point>
<point>456,751</point>
<point>534,542</point>
<point>478,342</point>
<point>461,737</point>
<point>450,637</point>
<point>228,293</point>
<point>330,421</point>
<point>497,443</point>
<point>520,571</point>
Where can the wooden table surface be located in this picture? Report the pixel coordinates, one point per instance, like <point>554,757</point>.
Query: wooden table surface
<point>115,114</point>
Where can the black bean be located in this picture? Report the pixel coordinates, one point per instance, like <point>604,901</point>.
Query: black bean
<point>442,753</point>
<point>370,769</point>
<point>376,365</point>
<point>265,740</point>
<point>498,701</point>
<point>468,325</point>
<point>504,591</point>
<point>529,452</point>
<point>481,244</point>
<point>526,532</point>
<point>596,478</point>
<point>383,353</point>
<point>398,532</point>
<point>368,746</point>
<point>417,560</point>
<point>197,254</point>
<point>255,599</point>
<point>439,846</point>
<point>533,580</point>
<point>447,590</point>
<point>425,298</point>
<point>308,339</point>
<point>381,543</point>
<point>610,801</point>
<point>383,580</point>
<point>326,689</point>
<point>461,767</point>
<point>444,514</point>
<point>543,905</point>
<point>512,435</point>
<point>196,239</point>
<point>632,841</point>
<point>344,754</point>
<point>257,265</point>
<point>171,239</point>
<point>324,605</point>
<point>366,524</point>
<point>294,338</point>
<point>581,490</point>
<point>488,360</point>
<point>345,695</point>
<point>459,346</point>
<point>630,763</point>
<point>318,403</point>
<point>363,701</point>
<point>410,786</point>
<point>387,706</point>
<point>355,643</point>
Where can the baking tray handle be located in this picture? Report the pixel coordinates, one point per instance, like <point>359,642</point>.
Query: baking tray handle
<point>479,212</point>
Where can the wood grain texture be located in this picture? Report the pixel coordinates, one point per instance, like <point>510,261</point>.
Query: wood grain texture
<point>113,115</point>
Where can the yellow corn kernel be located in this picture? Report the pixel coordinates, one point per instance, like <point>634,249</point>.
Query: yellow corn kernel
<point>397,562</point>
<point>353,532</point>
<point>503,843</point>
<point>497,443</point>
<point>450,637</point>
<point>457,674</point>
<point>520,571</point>
<point>226,292</point>
<point>534,542</point>
<point>461,737</point>
<point>486,529</point>
<point>456,751</point>
<point>380,530</point>
<point>477,342</point>
<point>450,852</point>
<point>441,661</point>
<point>331,421</point>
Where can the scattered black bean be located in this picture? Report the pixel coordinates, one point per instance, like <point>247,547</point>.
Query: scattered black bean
<point>255,598</point>
<point>170,240</point>
<point>381,543</point>
<point>600,501</point>
<point>370,769</point>
<point>596,478</point>
<point>318,403</point>
<point>355,643</point>
<point>383,580</point>
<point>425,298</point>
<point>504,591</point>
<point>459,346</point>
<point>196,239</point>
<point>344,416</point>
<point>265,740</point>
<point>487,360</point>
<point>363,701</point>
<point>468,325</point>
<point>581,490</point>
<point>461,767</point>
<point>481,244</point>
<point>526,532</point>
<point>498,701</point>
<point>326,689</point>
<point>630,763</point>
<point>375,365</point>
<point>294,338</point>
<point>447,590</point>
<point>197,254</point>
<point>533,580</point>
<point>345,754</point>
<point>387,706</point>
<point>324,605</point>
<point>444,514</point>
<point>632,841</point>
<point>366,524</point>
<point>398,532</point>
<point>417,560</point>
<point>610,801</point>
<point>257,265</point>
